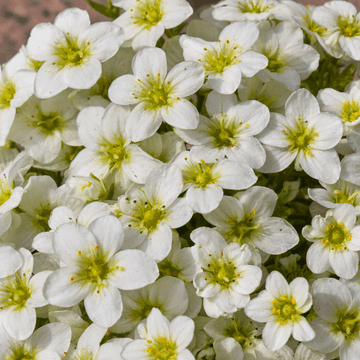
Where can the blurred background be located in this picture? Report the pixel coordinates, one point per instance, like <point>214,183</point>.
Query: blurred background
<point>18,17</point>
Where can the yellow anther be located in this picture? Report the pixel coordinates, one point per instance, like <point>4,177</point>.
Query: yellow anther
<point>79,253</point>
<point>149,341</point>
<point>254,212</point>
<point>283,298</point>
<point>96,248</point>
<point>87,185</point>
<point>281,323</point>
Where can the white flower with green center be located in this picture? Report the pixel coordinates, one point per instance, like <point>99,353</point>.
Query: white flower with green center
<point>246,219</point>
<point>225,61</point>
<point>229,131</point>
<point>168,294</point>
<point>88,346</point>
<point>158,97</point>
<point>50,341</point>
<point>95,269</point>
<point>72,51</point>
<point>246,10</point>
<point>108,149</point>
<point>16,86</point>
<point>149,213</point>
<point>97,95</point>
<point>239,331</point>
<point>20,294</point>
<point>343,21</point>
<point>40,197</point>
<point>144,21</point>
<point>346,105</point>
<point>205,182</point>
<point>342,192</point>
<point>160,339</point>
<point>336,241</point>
<point>226,280</point>
<point>289,59</point>
<point>338,324</point>
<point>304,134</point>
<point>280,305</point>
<point>41,126</point>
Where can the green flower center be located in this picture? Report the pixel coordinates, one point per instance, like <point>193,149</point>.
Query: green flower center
<point>34,64</point>
<point>40,221</point>
<point>301,137</point>
<point>147,13</point>
<point>94,265</point>
<point>20,353</point>
<point>71,54</point>
<point>151,218</point>
<point>242,334</point>
<point>14,291</point>
<point>223,134</point>
<point>242,231</point>
<point>113,154</point>
<point>49,123</point>
<point>201,175</point>
<point>221,272</point>
<point>217,60</point>
<point>5,190</point>
<point>274,63</point>
<point>341,198</point>
<point>349,27</point>
<point>7,93</point>
<point>348,324</point>
<point>166,268</point>
<point>153,93</point>
<point>284,309</point>
<point>254,6</point>
<point>351,111</point>
<point>314,26</point>
<point>161,349</point>
<point>336,236</point>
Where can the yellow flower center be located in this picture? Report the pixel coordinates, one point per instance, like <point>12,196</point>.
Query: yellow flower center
<point>7,93</point>
<point>5,190</point>
<point>284,309</point>
<point>201,175</point>
<point>161,349</point>
<point>147,13</point>
<point>349,27</point>
<point>351,111</point>
<point>14,291</point>
<point>254,6</point>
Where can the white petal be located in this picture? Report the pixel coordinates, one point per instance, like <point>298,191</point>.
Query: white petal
<point>277,159</point>
<point>157,325</point>
<point>204,200</point>
<point>252,62</point>
<point>7,117</point>
<point>350,45</point>
<point>150,61</point>
<point>49,80</point>
<point>275,336</point>
<point>104,38</point>
<point>299,291</point>
<point>104,308</point>
<point>10,260</point>
<point>83,76</point>
<point>139,270</point>
<point>181,113</point>
<point>60,290</point>
<point>74,21</point>
<point>19,323</point>
<point>317,257</point>
<point>148,37</point>
<point>217,103</point>
<point>122,89</point>
<point>345,263</point>
<point>226,82</point>
<point>178,213</point>
<point>302,331</point>
<point>36,285</point>
<point>181,331</point>
<point>260,308</point>
<point>277,285</point>
<point>91,338</point>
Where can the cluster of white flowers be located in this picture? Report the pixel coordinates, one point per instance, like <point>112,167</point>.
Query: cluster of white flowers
<point>161,179</point>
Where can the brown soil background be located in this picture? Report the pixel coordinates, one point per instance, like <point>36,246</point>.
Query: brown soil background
<point>18,17</point>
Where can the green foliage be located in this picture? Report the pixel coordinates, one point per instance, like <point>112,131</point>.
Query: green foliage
<point>110,11</point>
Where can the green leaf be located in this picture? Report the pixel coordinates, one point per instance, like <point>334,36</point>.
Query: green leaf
<point>175,31</point>
<point>111,11</point>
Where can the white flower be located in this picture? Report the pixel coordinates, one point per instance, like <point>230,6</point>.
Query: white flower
<point>335,194</point>
<point>246,10</point>
<point>16,86</point>
<point>149,213</point>
<point>228,59</point>
<point>168,294</point>
<point>205,182</point>
<point>160,338</point>
<point>281,306</point>
<point>72,50</point>
<point>336,242</point>
<point>342,20</point>
<point>304,134</point>
<point>346,105</point>
<point>144,21</point>
<point>246,219</point>
<point>108,151</point>
<point>41,127</point>
<point>95,269</point>
<point>338,324</point>
<point>88,346</point>
<point>158,97</point>
<point>10,260</point>
<point>20,294</point>
<point>290,60</point>
<point>48,342</point>
<point>226,279</point>
<point>229,131</point>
